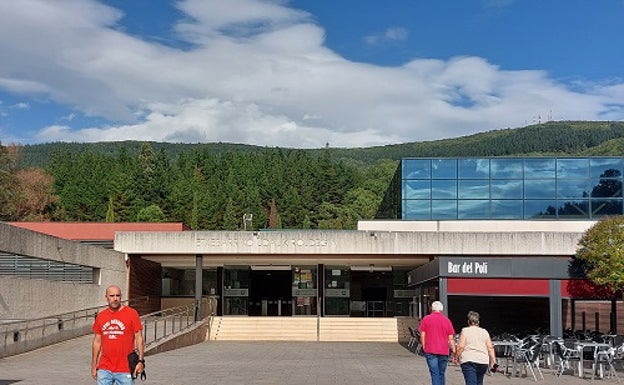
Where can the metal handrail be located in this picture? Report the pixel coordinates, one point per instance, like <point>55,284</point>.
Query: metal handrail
<point>63,316</point>
<point>20,336</point>
<point>164,323</point>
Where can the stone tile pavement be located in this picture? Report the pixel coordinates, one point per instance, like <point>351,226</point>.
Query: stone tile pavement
<point>301,363</point>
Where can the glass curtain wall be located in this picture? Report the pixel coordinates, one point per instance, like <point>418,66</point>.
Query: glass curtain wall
<point>511,188</point>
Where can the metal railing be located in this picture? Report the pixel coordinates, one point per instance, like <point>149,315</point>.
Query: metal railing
<point>163,323</point>
<point>19,336</point>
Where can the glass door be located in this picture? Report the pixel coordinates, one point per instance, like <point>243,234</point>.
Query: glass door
<point>304,290</point>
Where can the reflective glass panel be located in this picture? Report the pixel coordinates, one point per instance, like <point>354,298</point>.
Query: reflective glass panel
<point>539,188</point>
<point>416,189</point>
<point>474,189</point>
<point>417,209</point>
<point>539,168</point>
<point>603,207</point>
<point>444,189</point>
<point>416,169</point>
<point>573,188</point>
<point>572,168</point>
<point>506,189</point>
<point>507,209</point>
<point>605,167</point>
<point>540,209</point>
<point>474,168</point>
<point>473,209</point>
<point>506,168</point>
<point>444,168</point>
<point>444,209</point>
<point>606,188</point>
<point>574,209</point>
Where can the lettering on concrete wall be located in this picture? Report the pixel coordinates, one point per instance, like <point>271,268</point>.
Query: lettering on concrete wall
<point>260,242</point>
<point>478,268</point>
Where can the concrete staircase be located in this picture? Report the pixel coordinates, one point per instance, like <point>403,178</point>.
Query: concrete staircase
<point>358,329</point>
<point>303,329</point>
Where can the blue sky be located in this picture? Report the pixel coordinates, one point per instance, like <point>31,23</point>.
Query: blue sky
<point>303,73</point>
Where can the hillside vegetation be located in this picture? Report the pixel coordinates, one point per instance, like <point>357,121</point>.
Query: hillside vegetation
<point>211,186</point>
<point>552,138</point>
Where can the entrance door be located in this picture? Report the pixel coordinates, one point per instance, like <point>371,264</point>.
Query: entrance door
<point>372,293</point>
<point>270,293</point>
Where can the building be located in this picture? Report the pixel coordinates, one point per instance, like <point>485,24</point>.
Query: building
<point>496,235</point>
<point>535,194</point>
<point>42,275</point>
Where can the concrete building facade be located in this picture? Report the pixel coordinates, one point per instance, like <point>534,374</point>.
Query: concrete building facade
<point>348,270</point>
<point>43,275</point>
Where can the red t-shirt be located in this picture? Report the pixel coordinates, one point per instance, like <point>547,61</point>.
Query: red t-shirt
<point>117,329</point>
<point>437,330</point>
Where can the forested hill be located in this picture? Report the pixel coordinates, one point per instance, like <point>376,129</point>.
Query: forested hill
<point>551,138</point>
<point>214,186</point>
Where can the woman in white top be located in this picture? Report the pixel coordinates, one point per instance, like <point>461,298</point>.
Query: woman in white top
<point>475,351</point>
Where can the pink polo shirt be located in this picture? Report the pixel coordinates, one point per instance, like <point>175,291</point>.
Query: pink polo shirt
<point>437,330</point>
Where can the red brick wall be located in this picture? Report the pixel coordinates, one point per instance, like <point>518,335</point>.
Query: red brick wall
<point>145,281</point>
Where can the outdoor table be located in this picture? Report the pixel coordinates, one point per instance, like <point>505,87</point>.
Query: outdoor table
<point>508,351</point>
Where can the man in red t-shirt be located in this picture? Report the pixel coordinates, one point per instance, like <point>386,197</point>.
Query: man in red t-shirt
<point>437,336</point>
<point>117,332</point>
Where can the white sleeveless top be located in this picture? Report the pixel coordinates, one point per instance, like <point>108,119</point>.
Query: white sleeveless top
<point>476,349</point>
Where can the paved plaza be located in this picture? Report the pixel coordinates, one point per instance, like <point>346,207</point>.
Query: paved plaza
<point>273,363</point>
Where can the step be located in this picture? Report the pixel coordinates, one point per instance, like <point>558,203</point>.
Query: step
<point>304,329</point>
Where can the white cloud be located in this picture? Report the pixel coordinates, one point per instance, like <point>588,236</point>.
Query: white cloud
<point>20,106</point>
<point>258,72</point>
<point>389,35</point>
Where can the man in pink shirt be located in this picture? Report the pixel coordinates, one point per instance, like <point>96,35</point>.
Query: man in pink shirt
<point>437,336</point>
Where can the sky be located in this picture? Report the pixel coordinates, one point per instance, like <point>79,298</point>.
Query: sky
<point>303,73</point>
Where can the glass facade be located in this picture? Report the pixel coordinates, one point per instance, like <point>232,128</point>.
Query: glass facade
<point>529,188</point>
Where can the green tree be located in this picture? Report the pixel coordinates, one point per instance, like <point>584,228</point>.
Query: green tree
<point>151,213</point>
<point>110,211</point>
<point>274,221</point>
<point>602,250</point>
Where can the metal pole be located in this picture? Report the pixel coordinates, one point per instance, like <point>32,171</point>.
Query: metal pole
<point>198,285</point>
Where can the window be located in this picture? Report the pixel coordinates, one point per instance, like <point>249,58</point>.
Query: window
<point>37,268</point>
<point>511,188</point>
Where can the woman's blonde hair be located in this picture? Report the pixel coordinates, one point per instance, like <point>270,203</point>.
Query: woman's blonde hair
<point>473,318</point>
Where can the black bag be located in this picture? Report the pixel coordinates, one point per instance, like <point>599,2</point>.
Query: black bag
<point>133,361</point>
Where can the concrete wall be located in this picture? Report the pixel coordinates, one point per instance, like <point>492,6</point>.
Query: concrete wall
<point>198,333</point>
<point>23,298</point>
<point>351,243</point>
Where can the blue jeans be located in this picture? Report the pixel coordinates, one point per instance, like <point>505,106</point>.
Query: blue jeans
<point>437,367</point>
<point>473,372</point>
<point>106,377</point>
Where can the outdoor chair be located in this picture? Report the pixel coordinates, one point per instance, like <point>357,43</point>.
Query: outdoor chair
<point>618,354</point>
<point>414,341</point>
<point>604,358</point>
<point>526,358</point>
<point>568,358</point>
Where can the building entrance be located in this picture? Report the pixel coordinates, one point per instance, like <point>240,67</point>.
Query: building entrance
<point>371,294</point>
<point>270,292</point>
